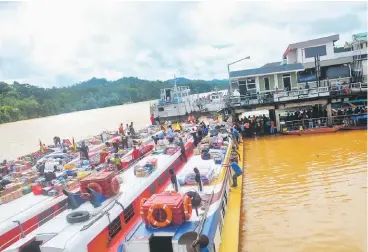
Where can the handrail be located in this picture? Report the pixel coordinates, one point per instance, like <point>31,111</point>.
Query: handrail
<point>31,228</point>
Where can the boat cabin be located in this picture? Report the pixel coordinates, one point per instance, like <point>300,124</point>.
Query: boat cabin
<point>173,95</point>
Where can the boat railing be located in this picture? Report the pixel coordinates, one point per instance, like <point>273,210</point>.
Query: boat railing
<point>319,122</point>
<point>33,227</point>
<point>345,119</point>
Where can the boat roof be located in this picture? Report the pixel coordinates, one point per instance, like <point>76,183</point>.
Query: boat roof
<point>66,236</point>
<point>30,205</point>
<point>24,208</point>
<point>215,188</point>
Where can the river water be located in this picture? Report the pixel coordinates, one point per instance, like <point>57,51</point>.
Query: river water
<point>305,193</point>
<point>20,138</point>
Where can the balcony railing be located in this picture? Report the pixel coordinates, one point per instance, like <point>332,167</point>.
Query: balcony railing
<point>300,94</point>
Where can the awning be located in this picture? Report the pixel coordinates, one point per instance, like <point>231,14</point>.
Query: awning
<point>360,100</point>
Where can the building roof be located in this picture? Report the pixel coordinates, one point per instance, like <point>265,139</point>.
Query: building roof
<point>360,37</point>
<point>272,69</point>
<point>330,62</point>
<point>272,64</point>
<point>312,42</point>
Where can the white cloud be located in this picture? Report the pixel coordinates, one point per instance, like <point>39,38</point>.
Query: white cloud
<point>60,43</point>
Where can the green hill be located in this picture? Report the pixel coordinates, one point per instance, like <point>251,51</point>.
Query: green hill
<point>24,101</point>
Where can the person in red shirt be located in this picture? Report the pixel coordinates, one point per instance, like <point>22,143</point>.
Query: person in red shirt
<point>153,121</point>
<point>121,129</point>
<point>136,153</point>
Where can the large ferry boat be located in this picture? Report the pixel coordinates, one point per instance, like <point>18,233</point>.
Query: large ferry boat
<point>96,233</point>
<point>177,103</point>
<point>111,212</point>
<point>24,214</point>
<point>190,219</point>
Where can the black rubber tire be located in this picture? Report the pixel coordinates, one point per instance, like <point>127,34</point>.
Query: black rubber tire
<point>77,217</point>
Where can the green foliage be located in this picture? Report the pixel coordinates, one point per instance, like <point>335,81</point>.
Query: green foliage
<point>24,101</point>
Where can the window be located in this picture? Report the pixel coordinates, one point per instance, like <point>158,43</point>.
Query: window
<point>251,83</point>
<point>152,189</point>
<point>223,209</point>
<point>225,197</point>
<point>128,213</point>
<point>159,180</point>
<point>267,83</point>
<point>220,225</point>
<point>114,227</point>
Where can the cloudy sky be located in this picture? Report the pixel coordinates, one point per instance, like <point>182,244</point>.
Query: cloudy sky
<point>57,44</point>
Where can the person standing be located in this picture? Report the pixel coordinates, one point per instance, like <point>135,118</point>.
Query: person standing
<point>272,129</point>
<point>152,118</point>
<point>131,129</point>
<point>197,179</point>
<point>183,157</point>
<point>170,134</point>
<point>121,129</point>
<point>174,181</point>
<point>237,171</point>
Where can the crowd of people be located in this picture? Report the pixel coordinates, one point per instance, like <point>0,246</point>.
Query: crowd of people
<point>255,125</point>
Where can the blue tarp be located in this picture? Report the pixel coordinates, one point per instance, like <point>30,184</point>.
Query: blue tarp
<point>359,117</point>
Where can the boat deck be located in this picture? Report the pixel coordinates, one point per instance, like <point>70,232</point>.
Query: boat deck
<point>215,188</point>
<point>61,232</point>
<point>230,231</point>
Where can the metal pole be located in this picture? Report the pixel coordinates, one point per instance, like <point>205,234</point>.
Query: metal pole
<point>228,71</point>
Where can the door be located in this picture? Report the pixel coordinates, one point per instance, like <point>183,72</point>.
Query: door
<point>287,82</point>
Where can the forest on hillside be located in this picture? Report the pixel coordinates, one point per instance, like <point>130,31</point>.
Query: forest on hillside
<point>25,101</point>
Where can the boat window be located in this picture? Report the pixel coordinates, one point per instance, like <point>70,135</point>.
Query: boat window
<point>225,197</point>
<point>223,208</point>
<point>159,180</point>
<point>114,227</point>
<point>152,189</point>
<point>161,109</point>
<point>220,225</point>
<point>128,213</point>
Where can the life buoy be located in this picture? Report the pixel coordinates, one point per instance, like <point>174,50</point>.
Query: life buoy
<point>152,219</point>
<point>95,186</point>
<point>115,185</point>
<point>141,207</point>
<point>187,207</point>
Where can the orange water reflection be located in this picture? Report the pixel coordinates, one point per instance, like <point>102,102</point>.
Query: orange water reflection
<point>306,193</point>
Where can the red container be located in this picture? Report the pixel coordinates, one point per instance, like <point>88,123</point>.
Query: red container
<point>103,156</point>
<point>174,202</point>
<point>102,178</point>
<point>37,190</point>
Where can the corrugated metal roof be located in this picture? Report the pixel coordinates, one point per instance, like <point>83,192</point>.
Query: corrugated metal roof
<point>272,64</point>
<point>360,36</point>
<point>267,70</point>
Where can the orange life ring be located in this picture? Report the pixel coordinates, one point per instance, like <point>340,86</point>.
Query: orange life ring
<point>188,209</point>
<point>141,209</point>
<point>95,186</point>
<point>115,185</point>
<point>152,219</point>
